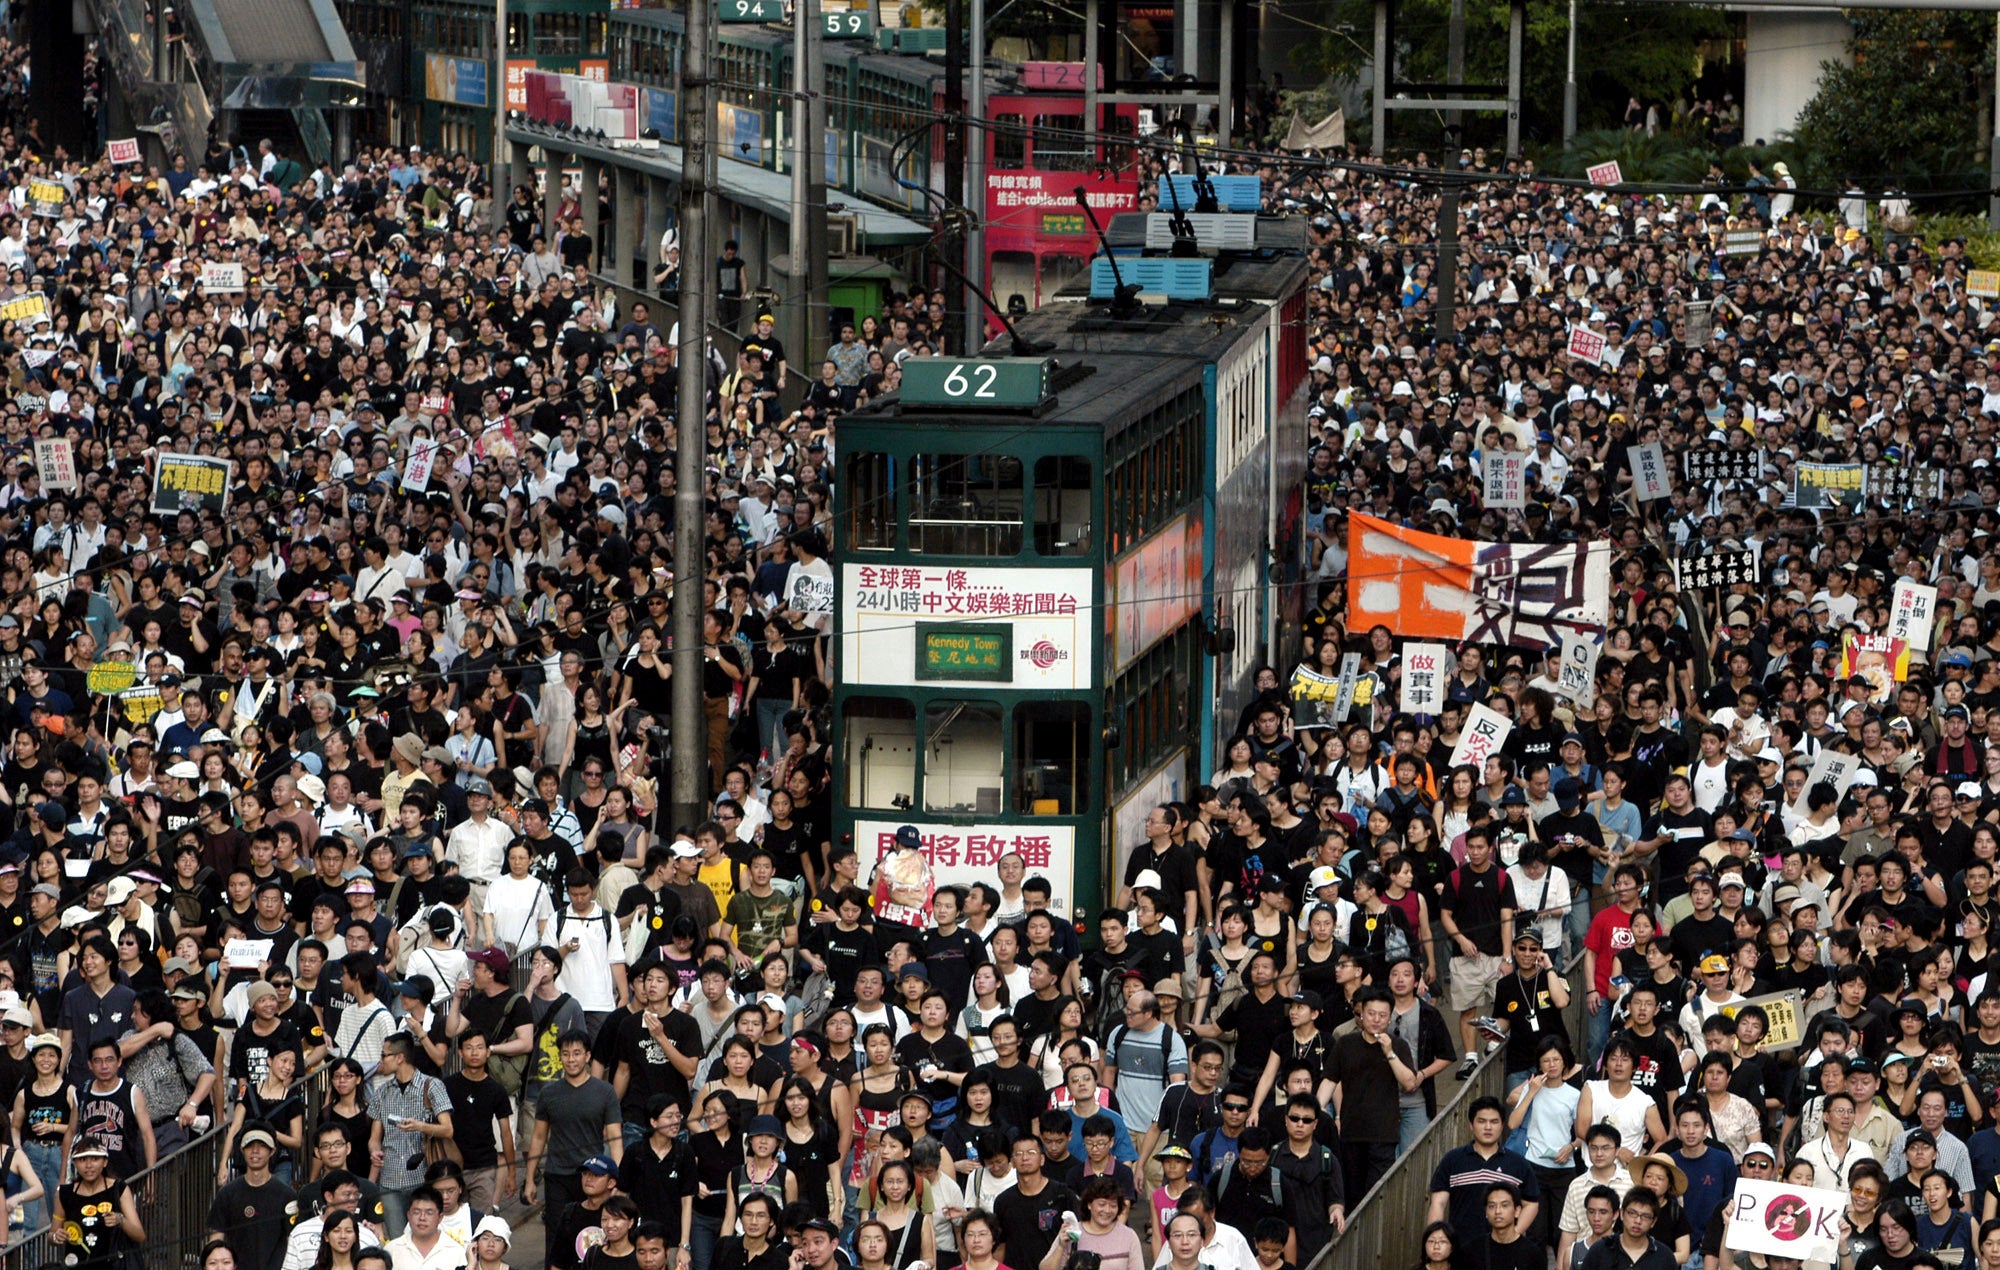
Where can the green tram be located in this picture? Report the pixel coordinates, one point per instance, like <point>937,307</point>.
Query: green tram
<point>1053,569</point>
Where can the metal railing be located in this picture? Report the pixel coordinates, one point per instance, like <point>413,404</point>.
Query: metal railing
<point>173,1198</point>
<point>1386,1228</point>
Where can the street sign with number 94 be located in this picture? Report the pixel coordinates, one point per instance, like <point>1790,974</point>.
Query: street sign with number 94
<point>751,11</point>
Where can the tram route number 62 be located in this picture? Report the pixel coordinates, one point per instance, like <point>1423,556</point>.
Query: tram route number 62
<point>976,383</point>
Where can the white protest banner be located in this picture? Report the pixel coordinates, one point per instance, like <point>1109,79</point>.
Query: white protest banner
<point>1505,474</point>
<point>1343,700</point>
<point>1838,770</point>
<point>222,276</point>
<point>1605,173</point>
<point>122,151</point>
<point>1578,676</point>
<point>1485,732</point>
<point>417,468</point>
<point>1912,610</point>
<point>1424,669</point>
<point>1649,471</point>
<point>1585,344</point>
<point>246,954</point>
<point>1785,1013</point>
<point>1778,1219</point>
<point>808,592</point>
<point>55,459</point>
<point>1984,283</point>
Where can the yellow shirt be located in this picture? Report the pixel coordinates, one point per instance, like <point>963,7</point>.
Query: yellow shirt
<point>720,878</point>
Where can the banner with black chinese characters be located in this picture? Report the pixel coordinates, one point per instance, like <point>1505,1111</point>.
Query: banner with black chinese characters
<point>1721,568</point>
<point>1432,587</point>
<point>1721,465</point>
<point>1903,486</point>
<point>1425,667</point>
<point>1324,701</point>
<point>190,482</point>
<point>1825,486</point>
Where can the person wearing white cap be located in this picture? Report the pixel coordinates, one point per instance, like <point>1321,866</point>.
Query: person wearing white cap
<point>492,1239</point>
<point>97,1212</point>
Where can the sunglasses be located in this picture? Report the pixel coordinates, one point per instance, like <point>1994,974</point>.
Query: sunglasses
<point>1236,1106</point>
<point>1301,1120</point>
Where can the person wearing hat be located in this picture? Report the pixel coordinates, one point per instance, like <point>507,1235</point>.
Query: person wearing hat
<point>96,1213</point>
<point>406,755</point>
<point>255,1193</point>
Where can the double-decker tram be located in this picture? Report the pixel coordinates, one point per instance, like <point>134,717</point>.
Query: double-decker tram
<point>1054,558</point>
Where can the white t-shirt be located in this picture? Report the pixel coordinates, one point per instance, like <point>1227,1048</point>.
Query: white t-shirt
<point>586,972</point>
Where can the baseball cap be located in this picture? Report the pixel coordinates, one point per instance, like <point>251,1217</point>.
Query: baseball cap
<point>1324,875</point>
<point>251,1137</point>
<point>602,1165</point>
<point>685,850</point>
<point>1173,1152</point>
<point>1714,964</point>
<point>1760,1149</point>
<point>17,1017</point>
<point>1921,1136</point>
<point>494,959</point>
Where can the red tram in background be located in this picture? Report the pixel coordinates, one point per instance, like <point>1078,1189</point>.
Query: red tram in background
<point>1040,151</point>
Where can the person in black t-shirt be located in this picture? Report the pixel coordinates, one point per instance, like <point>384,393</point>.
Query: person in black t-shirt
<point>1030,1212</point>
<point>478,1103</point>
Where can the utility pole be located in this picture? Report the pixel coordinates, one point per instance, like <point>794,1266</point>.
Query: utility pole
<point>1569,81</point>
<point>954,126</point>
<point>805,266</point>
<point>817,336</point>
<point>501,174</point>
<point>809,236</point>
<point>689,770</point>
<point>1993,162</point>
<point>1454,70</point>
<point>1446,306</point>
<point>975,186</point>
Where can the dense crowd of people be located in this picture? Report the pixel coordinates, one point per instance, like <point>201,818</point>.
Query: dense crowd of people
<point>318,762</point>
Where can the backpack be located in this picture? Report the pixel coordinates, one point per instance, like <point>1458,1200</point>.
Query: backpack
<point>510,1070</point>
<point>548,1058</point>
<point>1228,1171</point>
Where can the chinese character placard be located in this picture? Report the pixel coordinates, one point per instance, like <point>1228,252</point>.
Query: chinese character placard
<point>190,482</point>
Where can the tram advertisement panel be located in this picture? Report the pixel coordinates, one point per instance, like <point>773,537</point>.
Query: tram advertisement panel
<point>942,624</point>
<point>965,854</point>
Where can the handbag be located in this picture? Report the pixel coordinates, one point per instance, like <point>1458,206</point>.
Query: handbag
<point>436,1148</point>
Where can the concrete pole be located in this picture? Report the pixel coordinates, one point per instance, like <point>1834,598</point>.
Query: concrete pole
<point>955,134</point>
<point>1517,23</point>
<point>1378,132</point>
<point>553,162</point>
<point>803,137</point>
<point>975,181</point>
<point>1454,69</point>
<point>500,174</point>
<point>1993,160</point>
<point>817,252</point>
<point>688,771</point>
<point>593,222</point>
<point>1569,82</point>
<point>625,227</point>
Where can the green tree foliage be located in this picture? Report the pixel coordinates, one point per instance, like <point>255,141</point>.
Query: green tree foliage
<point>1651,51</point>
<point>1909,107</point>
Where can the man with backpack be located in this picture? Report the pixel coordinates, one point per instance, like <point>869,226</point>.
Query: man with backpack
<point>1248,1190</point>
<point>593,951</point>
<point>1142,1056</point>
<point>1319,1189</point>
<point>490,1007</point>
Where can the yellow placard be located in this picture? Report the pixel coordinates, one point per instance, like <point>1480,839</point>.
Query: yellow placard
<point>1785,1010</point>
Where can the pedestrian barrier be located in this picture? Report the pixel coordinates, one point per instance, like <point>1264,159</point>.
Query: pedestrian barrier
<point>173,1198</point>
<point>1386,1229</point>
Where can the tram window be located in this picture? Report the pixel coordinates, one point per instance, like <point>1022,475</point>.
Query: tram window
<point>963,757</point>
<point>1062,505</point>
<point>1010,144</point>
<point>1060,145</point>
<point>1051,763</point>
<point>966,504</point>
<point>1057,270</point>
<point>880,738</point>
<point>871,509</point>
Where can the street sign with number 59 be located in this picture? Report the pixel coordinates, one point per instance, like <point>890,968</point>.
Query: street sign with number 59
<point>851,24</point>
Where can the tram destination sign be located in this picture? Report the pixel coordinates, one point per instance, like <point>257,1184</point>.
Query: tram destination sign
<point>984,652</point>
<point>977,383</point>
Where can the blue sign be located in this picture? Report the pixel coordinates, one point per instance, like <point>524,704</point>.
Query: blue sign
<point>661,114</point>
<point>741,131</point>
<point>459,80</point>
